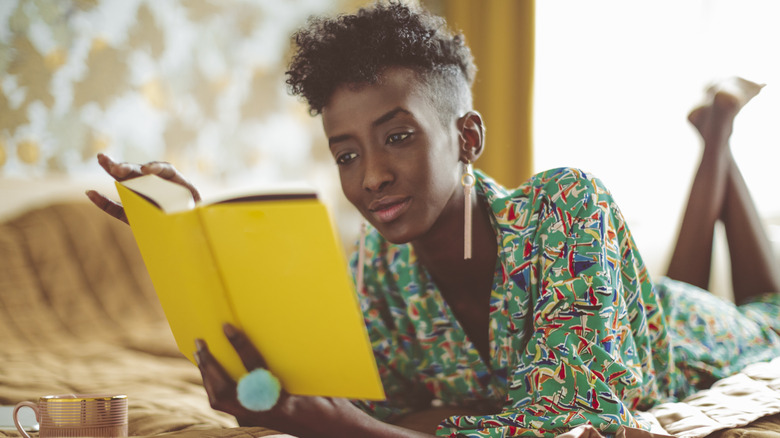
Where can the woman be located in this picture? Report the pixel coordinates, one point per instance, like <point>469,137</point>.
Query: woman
<point>551,323</point>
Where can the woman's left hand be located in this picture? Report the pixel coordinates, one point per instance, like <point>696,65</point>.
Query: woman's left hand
<point>293,414</point>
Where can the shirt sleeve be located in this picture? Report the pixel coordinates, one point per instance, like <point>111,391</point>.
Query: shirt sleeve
<point>588,357</point>
<point>391,345</point>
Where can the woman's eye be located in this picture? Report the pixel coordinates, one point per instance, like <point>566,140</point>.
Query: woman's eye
<point>345,158</point>
<point>397,138</point>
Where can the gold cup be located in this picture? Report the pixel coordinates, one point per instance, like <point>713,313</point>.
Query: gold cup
<point>72,415</point>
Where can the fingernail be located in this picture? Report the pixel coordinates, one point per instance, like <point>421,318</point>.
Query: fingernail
<point>230,330</point>
<point>200,345</point>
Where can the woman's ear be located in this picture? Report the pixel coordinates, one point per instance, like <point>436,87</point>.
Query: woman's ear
<point>471,136</point>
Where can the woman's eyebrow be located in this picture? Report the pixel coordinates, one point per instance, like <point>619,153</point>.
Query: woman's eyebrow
<point>389,115</point>
<point>337,139</point>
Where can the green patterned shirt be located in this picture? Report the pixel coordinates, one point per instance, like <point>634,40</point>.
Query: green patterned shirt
<point>577,333</point>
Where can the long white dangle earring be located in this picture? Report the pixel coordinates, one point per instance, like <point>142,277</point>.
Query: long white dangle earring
<point>467,180</point>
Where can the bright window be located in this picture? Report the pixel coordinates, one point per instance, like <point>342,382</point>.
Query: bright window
<point>615,81</point>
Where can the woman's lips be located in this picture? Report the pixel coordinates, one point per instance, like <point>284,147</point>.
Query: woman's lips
<point>388,211</point>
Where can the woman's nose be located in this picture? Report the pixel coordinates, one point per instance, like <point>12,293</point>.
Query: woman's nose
<point>377,174</point>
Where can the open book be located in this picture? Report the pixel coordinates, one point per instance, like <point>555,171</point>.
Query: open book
<point>269,264</point>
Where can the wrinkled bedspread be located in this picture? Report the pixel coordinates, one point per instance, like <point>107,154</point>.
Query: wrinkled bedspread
<point>78,314</point>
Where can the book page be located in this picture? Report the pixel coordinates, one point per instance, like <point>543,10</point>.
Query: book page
<point>169,196</point>
<point>287,190</point>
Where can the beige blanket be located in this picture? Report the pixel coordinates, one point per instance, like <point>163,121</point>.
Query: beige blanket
<point>732,402</point>
<point>78,314</point>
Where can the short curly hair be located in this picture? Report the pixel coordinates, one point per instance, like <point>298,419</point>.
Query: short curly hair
<point>356,49</point>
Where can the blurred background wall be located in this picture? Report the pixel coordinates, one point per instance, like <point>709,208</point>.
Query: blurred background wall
<point>198,83</point>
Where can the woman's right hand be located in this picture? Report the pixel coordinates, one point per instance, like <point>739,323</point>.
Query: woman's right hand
<point>298,415</point>
<point>123,171</point>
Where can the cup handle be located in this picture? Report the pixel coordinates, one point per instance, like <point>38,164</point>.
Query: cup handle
<point>20,405</point>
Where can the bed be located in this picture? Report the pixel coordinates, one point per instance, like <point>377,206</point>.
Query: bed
<point>79,314</point>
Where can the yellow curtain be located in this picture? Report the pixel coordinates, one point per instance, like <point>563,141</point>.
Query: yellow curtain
<point>501,36</point>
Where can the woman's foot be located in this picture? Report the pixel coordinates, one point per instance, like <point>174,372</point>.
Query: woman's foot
<point>733,93</point>
<point>722,101</point>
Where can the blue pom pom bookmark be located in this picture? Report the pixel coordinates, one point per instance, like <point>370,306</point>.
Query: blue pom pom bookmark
<point>259,390</point>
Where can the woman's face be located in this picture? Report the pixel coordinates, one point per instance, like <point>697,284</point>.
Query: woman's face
<point>398,164</point>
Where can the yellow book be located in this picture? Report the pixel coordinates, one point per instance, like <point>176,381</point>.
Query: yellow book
<point>269,264</point>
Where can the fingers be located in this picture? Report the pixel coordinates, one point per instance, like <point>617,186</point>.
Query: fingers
<point>249,355</point>
<point>123,171</point>
<point>119,171</point>
<point>221,389</point>
<point>111,207</point>
<point>161,169</point>
<point>167,171</point>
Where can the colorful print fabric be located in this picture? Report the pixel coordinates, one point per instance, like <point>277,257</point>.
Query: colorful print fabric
<point>577,334</point>
<point>712,338</point>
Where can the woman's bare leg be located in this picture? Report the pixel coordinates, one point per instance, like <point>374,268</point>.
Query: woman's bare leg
<point>754,269</point>
<point>719,193</point>
<point>692,257</point>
